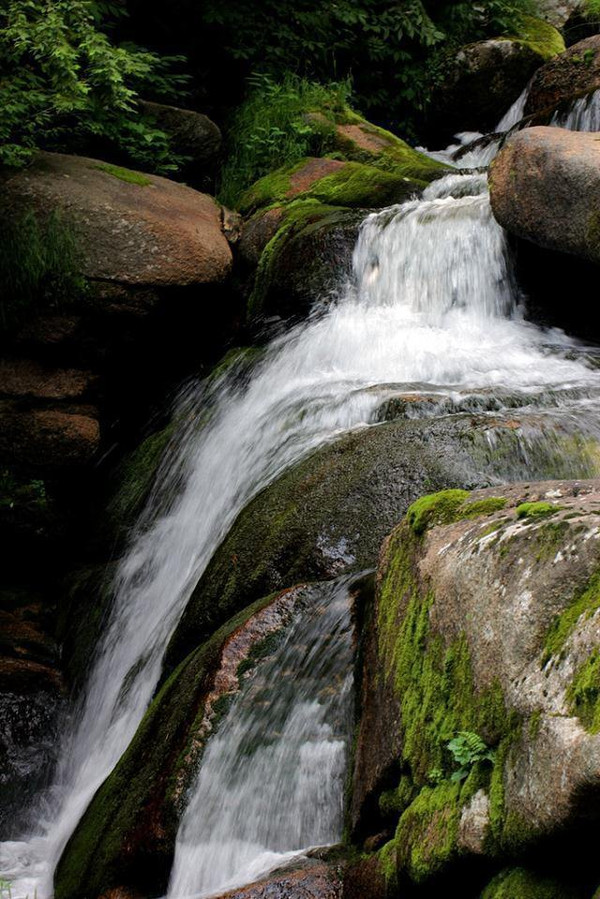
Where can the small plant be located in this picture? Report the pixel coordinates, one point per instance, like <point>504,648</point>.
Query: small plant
<point>467,749</point>
<point>5,889</point>
<point>271,129</point>
<point>39,266</point>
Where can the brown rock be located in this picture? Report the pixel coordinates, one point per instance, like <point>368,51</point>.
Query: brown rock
<point>257,232</point>
<point>133,228</point>
<point>566,77</point>
<point>311,881</point>
<point>48,439</point>
<point>192,133</point>
<point>545,187</point>
<point>25,378</point>
<point>311,172</point>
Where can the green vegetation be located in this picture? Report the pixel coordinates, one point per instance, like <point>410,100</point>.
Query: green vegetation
<point>536,510</point>
<point>62,83</point>
<point>540,36</point>
<point>393,52</point>
<point>16,492</point>
<point>526,884</point>
<point>584,693</point>
<point>466,749</point>
<point>122,174</point>
<point>39,266</point>
<point>587,603</point>
<point>270,130</point>
<point>448,506</point>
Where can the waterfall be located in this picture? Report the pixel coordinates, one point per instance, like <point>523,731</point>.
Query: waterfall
<point>277,750</point>
<point>582,115</point>
<point>432,307</point>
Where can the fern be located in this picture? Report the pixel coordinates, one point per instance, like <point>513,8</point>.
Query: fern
<point>467,749</point>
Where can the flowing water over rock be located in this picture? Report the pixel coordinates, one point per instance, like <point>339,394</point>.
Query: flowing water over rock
<point>433,309</point>
<point>278,749</point>
<point>583,115</point>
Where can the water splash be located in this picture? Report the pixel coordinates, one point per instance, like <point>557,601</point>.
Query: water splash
<point>582,115</point>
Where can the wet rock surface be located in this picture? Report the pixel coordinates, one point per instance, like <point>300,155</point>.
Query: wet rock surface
<point>311,881</point>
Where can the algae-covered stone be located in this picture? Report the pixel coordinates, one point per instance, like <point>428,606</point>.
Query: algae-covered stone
<point>330,512</point>
<point>527,884</point>
<point>335,183</point>
<point>127,835</point>
<point>481,690</point>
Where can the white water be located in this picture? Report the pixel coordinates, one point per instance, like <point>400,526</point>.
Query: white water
<point>272,779</point>
<point>433,307</point>
<point>583,115</point>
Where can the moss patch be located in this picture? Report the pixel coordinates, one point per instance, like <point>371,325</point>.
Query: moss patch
<point>584,693</point>
<point>448,506</point>
<point>540,36</point>
<point>537,510</point>
<point>123,174</point>
<point>520,883</point>
<point>586,604</point>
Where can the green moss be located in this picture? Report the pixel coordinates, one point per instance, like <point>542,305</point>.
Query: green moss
<point>127,175</point>
<point>534,723</point>
<point>436,508</point>
<point>585,604</point>
<point>540,36</point>
<point>356,185</point>
<point>448,506</point>
<point>40,265</point>
<point>520,883</point>
<point>135,476</point>
<point>584,693</point>
<point>537,510</point>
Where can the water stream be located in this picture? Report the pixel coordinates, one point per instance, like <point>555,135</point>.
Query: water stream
<point>433,307</point>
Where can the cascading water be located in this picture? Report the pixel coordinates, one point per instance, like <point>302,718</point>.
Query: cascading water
<point>583,114</point>
<point>433,308</point>
<point>277,750</point>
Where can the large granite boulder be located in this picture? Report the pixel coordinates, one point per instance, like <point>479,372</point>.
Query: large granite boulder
<point>132,228</point>
<point>481,681</point>
<point>545,187</point>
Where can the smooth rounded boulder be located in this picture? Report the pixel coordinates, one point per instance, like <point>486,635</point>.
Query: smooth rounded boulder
<point>545,188</point>
<point>132,228</point>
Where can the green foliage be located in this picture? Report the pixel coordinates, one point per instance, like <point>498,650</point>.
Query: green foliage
<point>466,749</point>
<point>62,83</point>
<point>270,130</point>
<point>391,50</point>
<point>39,266</point>
<point>126,175</point>
<point>586,603</point>
<point>584,693</point>
<point>16,492</point>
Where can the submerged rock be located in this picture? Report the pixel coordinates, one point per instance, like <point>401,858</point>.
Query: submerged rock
<point>126,838</point>
<point>132,228</point>
<point>564,79</point>
<point>481,689</point>
<point>545,187</point>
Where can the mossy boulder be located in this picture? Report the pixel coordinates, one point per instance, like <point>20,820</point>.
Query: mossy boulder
<point>529,884</point>
<point>545,188</point>
<point>562,80</point>
<point>305,258</point>
<point>126,838</point>
<point>335,183</point>
<point>485,78</point>
<point>481,681</point>
<point>331,511</point>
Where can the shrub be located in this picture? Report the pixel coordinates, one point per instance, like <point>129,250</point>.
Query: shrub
<point>62,83</point>
<point>39,266</point>
<point>269,129</point>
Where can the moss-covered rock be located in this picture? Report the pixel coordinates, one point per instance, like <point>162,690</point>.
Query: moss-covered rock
<point>335,183</point>
<point>491,74</point>
<point>127,835</point>
<point>527,884</point>
<point>480,680</point>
